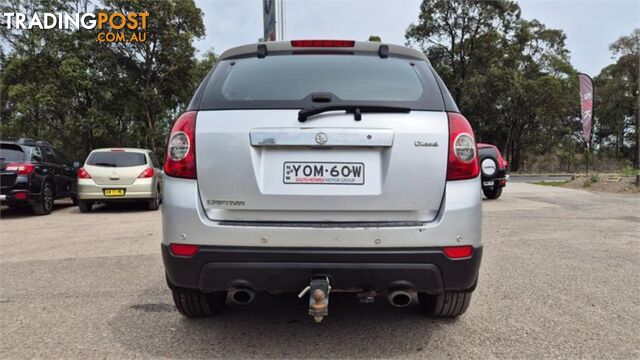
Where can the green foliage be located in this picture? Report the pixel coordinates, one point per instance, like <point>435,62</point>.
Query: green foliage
<point>617,108</point>
<point>375,38</point>
<point>512,77</point>
<point>594,178</point>
<point>65,87</point>
<point>629,171</point>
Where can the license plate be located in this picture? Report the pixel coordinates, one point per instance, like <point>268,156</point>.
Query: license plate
<point>487,183</point>
<point>323,173</point>
<point>113,192</point>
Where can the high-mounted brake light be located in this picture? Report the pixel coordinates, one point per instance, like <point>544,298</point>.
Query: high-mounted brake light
<point>83,174</point>
<point>463,153</point>
<point>181,148</point>
<point>146,173</point>
<point>458,252</point>
<point>117,150</point>
<point>323,43</point>
<point>21,169</point>
<point>183,249</point>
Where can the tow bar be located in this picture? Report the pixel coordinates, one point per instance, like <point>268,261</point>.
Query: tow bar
<point>318,290</point>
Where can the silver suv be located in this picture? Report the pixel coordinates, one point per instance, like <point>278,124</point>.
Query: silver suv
<point>313,166</point>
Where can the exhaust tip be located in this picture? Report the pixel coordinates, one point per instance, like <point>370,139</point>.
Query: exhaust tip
<point>400,298</point>
<point>242,296</point>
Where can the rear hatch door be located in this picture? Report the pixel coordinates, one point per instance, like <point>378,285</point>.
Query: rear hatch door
<point>388,167</point>
<point>9,153</point>
<point>115,167</point>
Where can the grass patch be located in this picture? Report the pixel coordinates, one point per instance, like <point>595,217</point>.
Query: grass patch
<point>550,183</point>
<point>629,171</point>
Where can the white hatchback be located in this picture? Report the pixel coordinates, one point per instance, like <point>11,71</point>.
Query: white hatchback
<point>114,175</point>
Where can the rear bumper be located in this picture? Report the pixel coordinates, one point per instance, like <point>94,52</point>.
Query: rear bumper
<point>140,189</point>
<point>499,179</point>
<point>458,223</point>
<point>290,269</point>
<point>9,197</point>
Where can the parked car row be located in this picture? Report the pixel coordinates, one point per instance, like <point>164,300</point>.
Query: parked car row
<point>33,175</point>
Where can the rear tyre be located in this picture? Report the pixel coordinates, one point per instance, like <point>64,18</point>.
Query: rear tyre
<point>85,206</point>
<point>44,206</point>
<point>154,204</point>
<point>194,303</point>
<point>74,200</point>
<point>492,193</point>
<point>449,304</point>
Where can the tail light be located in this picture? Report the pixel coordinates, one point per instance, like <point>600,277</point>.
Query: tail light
<point>458,252</point>
<point>83,174</point>
<point>183,249</point>
<point>21,169</point>
<point>463,153</point>
<point>322,43</point>
<point>146,173</point>
<point>181,147</point>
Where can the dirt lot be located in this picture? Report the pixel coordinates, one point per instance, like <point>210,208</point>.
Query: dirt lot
<point>604,183</point>
<point>559,279</point>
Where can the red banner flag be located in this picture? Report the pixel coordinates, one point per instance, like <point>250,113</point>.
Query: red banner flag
<point>586,106</point>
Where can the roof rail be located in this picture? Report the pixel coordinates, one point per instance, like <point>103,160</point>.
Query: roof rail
<point>44,143</point>
<point>26,141</point>
<point>31,142</point>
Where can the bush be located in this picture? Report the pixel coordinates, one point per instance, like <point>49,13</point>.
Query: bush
<point>628,170</point>
<point>594,178</point>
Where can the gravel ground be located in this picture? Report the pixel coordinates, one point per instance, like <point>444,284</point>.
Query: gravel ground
<point>559,279</point>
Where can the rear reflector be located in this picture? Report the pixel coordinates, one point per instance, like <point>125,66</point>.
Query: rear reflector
<point>183,249</point>
<point>322,43</point>
<point>146,173</point>
<point>20,195</point>
<point>458,252</point>
<point>21,169</point>
<point>83,174</point>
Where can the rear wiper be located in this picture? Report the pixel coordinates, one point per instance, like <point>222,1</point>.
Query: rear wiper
<point>357,110</point>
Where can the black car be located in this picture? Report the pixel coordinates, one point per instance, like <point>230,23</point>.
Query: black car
<point>33,174</point>
<point>494,170</point>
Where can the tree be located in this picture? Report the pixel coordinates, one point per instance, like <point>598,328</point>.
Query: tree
<point>511,77</point>
<point>454,34</point>
<point>163,65</point>
<point>375,38</point>
<point>618,100</point>
<point>64,87</point>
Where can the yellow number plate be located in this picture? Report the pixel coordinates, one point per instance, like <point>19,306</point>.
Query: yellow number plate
<point>113,192</point>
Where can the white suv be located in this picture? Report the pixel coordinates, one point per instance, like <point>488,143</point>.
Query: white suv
<point>316,165</point>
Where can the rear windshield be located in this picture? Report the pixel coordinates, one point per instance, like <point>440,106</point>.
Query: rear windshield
<point>487,151</point>
<point>11,153</point>
<point>116,159</point>
<point>288,80</point>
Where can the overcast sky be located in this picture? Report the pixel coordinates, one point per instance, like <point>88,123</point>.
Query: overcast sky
<point>590,25</point>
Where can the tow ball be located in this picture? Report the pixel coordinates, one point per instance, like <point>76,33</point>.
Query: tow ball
<point>318,290</point>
